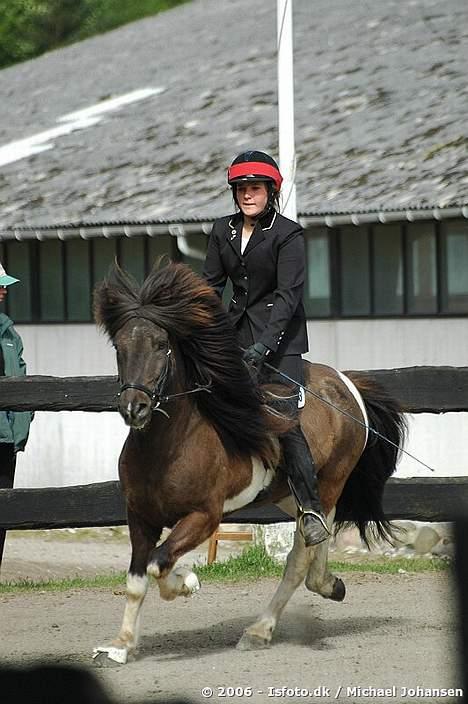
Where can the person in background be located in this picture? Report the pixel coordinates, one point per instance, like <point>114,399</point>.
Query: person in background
<point>263,255</point>
<point>14,427</point>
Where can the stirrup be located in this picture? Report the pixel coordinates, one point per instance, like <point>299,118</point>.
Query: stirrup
<point>317,530</point>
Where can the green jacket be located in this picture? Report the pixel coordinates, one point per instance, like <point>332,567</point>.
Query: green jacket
<point>14,427</point>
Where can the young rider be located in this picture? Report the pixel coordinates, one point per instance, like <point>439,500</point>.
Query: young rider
<point>262,253</point>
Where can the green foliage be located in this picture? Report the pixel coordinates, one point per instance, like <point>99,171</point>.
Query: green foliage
<point>28,28</point>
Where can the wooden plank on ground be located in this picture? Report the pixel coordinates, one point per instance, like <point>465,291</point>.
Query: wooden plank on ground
<point>102,504</point>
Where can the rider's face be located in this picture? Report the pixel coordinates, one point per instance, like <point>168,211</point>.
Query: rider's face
<point>252,198</point>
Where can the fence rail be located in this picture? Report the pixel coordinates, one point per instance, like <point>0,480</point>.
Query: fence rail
<point>102,504</point>
<point>419,390</point>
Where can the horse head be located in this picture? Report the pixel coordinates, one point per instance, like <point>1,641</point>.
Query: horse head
<point>143,362</point>
<point>126,311</point>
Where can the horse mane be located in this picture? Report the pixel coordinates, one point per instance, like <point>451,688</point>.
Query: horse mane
<point>178,300</point>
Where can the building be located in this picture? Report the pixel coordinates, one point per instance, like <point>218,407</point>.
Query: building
<point>118,145</point>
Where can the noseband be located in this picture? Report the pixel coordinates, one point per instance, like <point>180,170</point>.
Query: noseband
<point>154,394</point>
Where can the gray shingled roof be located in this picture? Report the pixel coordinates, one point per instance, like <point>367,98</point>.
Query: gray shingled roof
<point>381,96</point>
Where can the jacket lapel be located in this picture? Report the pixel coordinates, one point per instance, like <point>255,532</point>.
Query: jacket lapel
<point>259,233</point>
<point>234,234</point>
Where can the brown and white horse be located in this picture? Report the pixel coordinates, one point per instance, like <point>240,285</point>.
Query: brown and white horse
<point>191,458</point>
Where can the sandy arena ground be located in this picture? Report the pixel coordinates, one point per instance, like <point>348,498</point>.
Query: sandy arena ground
<point>391,631</point>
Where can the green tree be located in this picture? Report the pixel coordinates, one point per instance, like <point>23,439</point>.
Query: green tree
<point>28,28</point>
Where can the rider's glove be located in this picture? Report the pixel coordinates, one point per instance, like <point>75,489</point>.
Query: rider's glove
<point>256,354</point>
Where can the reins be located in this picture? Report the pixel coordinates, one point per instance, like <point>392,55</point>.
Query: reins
<point>349,415</point>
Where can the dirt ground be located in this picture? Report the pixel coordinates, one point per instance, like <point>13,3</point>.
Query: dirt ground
<point>391,631</point>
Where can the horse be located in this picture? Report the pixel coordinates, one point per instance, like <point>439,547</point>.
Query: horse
<point>203,442</point>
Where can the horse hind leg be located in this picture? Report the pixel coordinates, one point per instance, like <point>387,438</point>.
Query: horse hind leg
<point>260,633</point>
<point>319,580</point>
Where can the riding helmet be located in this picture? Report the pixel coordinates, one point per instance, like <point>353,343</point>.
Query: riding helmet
<point>254,166</point>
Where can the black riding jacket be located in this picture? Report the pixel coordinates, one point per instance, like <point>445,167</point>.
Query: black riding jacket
<point>268,279</point>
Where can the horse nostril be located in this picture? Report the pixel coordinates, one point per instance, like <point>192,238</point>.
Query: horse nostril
<point>134,413</point>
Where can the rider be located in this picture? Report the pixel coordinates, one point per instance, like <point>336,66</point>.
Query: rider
<point>262,253</point>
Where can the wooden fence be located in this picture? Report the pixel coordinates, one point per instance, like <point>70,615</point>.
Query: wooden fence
<point>419,390</point>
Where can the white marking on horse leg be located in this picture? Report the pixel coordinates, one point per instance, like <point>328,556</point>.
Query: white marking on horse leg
<point>128,636</point>
<point>261,478</point>
<point>181,581</point>
<point>298,561</point>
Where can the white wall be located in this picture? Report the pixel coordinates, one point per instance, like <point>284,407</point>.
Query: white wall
<point>438,440</point>
<point>81,448</point>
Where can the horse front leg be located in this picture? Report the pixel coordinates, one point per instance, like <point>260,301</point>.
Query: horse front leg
<point>143,539</point>
<point>187,534</point>
<point>260,633</point>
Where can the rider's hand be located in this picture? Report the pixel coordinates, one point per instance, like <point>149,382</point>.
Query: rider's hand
<point>256,354</point>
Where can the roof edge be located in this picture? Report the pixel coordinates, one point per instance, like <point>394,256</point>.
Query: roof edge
<point>183,227</point>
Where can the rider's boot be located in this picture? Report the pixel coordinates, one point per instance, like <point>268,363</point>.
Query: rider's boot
<point>302,476</point>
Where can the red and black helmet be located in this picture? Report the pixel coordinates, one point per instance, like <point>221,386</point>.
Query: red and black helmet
<point>254,166</point>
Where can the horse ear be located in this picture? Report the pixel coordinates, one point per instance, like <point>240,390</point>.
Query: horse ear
<point>100,302</point>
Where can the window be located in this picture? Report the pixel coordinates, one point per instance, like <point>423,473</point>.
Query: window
<point>398,269</point>
<point>354,271</point>
<point>454,266</point>
<point>159,246</point>
<point>51,280</point>
<point>78,280</point>
<point>132,256</point>
<point>387,270</point>
<point>317,294</point>
<point>422,268</point>
<point>103,255</point>
<point>193,250</point>
<point>17,260</point>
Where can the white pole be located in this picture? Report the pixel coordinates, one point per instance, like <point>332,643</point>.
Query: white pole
<point>287,150</point>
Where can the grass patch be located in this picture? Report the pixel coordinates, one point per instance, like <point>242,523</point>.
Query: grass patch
<point>62,585</point>
<point>393,565</point>
<point>252,564</point>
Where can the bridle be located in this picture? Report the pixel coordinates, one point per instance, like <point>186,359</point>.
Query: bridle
<point>156,394</point>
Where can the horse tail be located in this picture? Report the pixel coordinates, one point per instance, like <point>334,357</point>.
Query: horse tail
<point>361,500</point>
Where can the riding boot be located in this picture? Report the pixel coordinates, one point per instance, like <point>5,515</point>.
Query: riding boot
<point>302,477</point>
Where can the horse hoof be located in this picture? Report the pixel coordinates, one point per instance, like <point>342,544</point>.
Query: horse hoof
<point>191,585</point>
<point>251,642</point>
<point>338,591</point>
<point>109,657</point>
